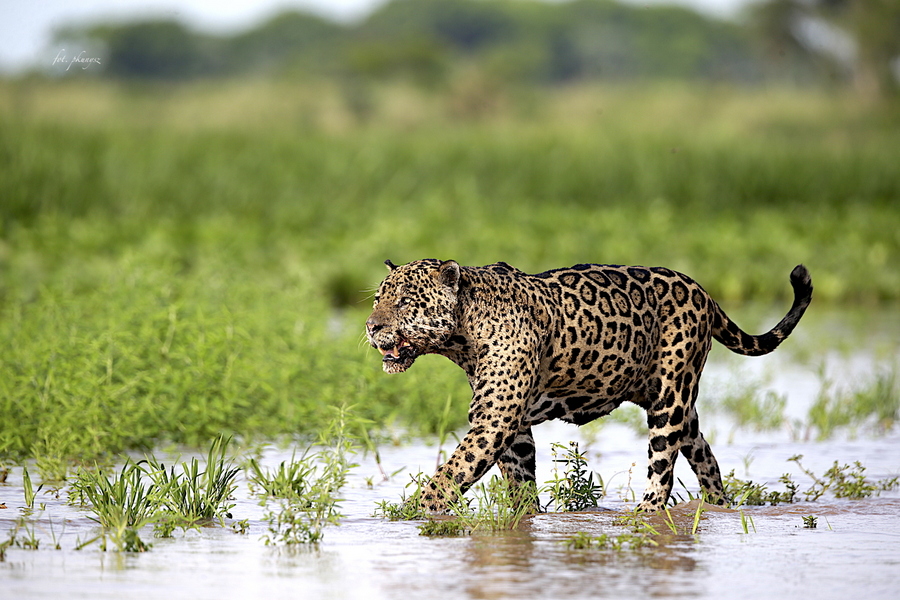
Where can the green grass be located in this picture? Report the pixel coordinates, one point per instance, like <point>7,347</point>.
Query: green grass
<point>181,262</point>
<point>575,489</point>
<point>145,492</point>
<point>873,404</point>
<point>301,497</point>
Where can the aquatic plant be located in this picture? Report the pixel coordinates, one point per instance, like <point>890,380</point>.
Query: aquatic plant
<point>575,489</point>
<point>498,505</point>
<point>301,497</point>
<point>872,403</point>
<point>30,492</point>
<point>191,495</point>
<point>444,527</point>
<point>22,535</point>
<point>146,493</point>
<point>123,498</point>
<point>747,493</point>
<point>753,408</point>
<point>605,541</point>
<point>810,522</point>
<point>844,481</point>
<point>746,521</point>
<point>290,479</point>
<point>409,508</point>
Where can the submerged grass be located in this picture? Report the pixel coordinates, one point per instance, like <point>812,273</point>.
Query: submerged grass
<point>843,481</point>
<point>301,497</point>
<point>190,495</point>
<point>145,492</point>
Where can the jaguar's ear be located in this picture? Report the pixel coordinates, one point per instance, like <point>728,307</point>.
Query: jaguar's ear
<point>391,266</point>
<point>448,274</point>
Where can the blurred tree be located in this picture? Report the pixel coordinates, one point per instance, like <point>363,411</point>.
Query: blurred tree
<point>431,41</point>
<point>420,59</point>
<point>158,50</point>
<point>855,39</point>
<point>286,38</point>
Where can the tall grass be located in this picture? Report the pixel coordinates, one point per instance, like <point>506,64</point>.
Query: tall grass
<point>172,268</point>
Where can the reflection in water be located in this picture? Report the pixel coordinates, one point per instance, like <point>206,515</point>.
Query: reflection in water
<point>534,562</point>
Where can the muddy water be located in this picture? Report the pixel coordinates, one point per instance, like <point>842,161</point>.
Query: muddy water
<point>853,552</point>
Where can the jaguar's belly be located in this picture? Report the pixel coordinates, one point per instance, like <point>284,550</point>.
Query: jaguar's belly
<point>577,409</point>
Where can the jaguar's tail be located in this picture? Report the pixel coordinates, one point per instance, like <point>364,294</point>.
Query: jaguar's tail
<point>732,337</point>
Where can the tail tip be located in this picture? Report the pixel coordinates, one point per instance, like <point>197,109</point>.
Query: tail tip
<point>800,278</point>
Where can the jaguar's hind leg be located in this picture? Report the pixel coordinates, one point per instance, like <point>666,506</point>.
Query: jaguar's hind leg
<point>671,420</point>
<point>518,463</point>
<point>698,453</point>
<point>665,441</point>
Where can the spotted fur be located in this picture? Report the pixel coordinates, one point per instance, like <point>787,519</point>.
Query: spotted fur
<point>570,344</point>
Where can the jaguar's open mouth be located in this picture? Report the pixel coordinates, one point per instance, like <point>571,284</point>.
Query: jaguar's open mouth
<point>399,357</point>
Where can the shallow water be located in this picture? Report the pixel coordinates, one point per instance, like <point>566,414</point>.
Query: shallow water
<point>853,552</point>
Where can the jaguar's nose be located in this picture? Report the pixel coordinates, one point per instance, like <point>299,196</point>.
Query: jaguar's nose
<point>373,324</point>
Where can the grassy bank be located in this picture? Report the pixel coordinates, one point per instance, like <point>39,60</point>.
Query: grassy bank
<point>180,262</point>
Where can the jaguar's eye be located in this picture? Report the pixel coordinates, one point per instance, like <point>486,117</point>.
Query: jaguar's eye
<point>404,301</point>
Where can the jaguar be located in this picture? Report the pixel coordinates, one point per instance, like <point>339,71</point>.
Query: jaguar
<point>570,344</point>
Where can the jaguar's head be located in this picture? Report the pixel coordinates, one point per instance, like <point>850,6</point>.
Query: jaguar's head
<point>415,311</point>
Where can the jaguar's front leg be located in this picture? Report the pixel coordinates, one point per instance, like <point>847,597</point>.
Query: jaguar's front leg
<point>478,451</point>
<point>502,383</point>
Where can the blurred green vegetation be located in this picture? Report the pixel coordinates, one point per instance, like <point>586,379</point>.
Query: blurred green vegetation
<point>182,260</point>
<point>426,40</point>
<point>430,42</point>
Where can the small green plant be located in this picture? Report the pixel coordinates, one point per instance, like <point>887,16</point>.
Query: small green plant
<point>120,534</point>
<point>810,522</point>
<point>124,497</point>
<point>27,540</point>
<point>409,508</point>
<point>301,497</point>
<point>192,495</point>
<point>575,489</point>
<point>874,403</point>
<point>746,521</point>
<point>753,408</point>
<point>449,527</point>
<point>499,505</point>
<point>241,527</point>
<point>30,492</point>
<point>145,492</point>
<point>670,521</point>
<point>636,522</point>
<point>747,493</point>
<point>844,481</point>
<point>616,543</point>
<point>701,508</point>
<point>290,479</point>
